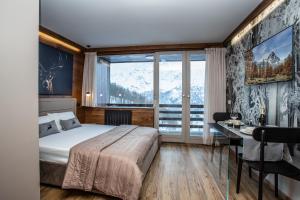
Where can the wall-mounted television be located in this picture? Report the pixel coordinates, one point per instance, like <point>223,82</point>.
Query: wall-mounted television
<point>271,60</point>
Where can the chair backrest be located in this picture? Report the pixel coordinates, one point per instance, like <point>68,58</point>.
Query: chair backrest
<point>277,134</point>
<point>222,116</point>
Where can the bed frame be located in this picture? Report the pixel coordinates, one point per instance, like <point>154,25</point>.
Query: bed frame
<point>53,173</point>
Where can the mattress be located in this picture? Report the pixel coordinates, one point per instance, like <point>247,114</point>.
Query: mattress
<point>55,148</point>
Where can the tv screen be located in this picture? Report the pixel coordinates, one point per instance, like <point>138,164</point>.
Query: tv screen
<point>272,60</point>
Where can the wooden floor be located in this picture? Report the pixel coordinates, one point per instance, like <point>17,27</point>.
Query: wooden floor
<point>180,172</point>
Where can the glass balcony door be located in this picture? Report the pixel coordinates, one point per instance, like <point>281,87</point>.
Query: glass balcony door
<point>195,96</point>
<point>170,90</point>
<point>179,95</point>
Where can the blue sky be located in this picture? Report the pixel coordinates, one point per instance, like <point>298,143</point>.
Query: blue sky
<point>281,44</point>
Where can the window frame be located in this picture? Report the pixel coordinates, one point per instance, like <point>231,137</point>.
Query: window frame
<point>134,105</point>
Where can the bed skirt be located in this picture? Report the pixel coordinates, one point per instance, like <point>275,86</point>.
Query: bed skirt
<point>53,173</point>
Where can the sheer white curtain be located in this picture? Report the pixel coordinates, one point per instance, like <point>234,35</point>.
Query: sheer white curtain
<point>103,82</point>
<point>89,82</point>
<point>215,88</point>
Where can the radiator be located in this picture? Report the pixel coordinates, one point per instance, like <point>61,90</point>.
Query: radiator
<point>117,117</point>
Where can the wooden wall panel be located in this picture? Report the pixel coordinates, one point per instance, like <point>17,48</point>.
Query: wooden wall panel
<point>143,117</point>
<point>78,62</point>
<point>140,116</point>
<point>94,115</point>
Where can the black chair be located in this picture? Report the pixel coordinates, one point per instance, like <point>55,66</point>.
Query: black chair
<point>219,138</point>
<point>222,116</point>
<point>273,135</point>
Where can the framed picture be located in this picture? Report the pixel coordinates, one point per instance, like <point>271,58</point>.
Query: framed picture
<point>55,71</point>
<point>271,60</point>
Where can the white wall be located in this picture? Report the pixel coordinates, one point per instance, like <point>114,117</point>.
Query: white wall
<point>19,169</point>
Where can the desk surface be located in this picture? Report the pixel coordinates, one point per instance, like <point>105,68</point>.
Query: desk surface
<point>230,134</point>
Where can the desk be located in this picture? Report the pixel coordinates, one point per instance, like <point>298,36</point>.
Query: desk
<point>273,151</point>
<point>233,138</point>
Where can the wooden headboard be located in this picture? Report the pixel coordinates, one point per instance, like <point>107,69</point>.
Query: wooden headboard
<point>53,105</point>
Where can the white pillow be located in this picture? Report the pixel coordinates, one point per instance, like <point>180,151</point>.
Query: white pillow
<point>45,119</point>
<point>61,116</point>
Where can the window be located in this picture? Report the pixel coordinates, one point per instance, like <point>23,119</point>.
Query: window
<point>125,80</point>
<point>181,93</point>
<point>197,81</point>
<point>170,93</point>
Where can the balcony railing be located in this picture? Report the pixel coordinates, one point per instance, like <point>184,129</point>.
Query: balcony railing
<point>170,117</point>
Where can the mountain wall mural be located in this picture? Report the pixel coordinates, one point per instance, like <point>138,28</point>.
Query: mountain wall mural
<point>271,60</point>
<point>281,99</point>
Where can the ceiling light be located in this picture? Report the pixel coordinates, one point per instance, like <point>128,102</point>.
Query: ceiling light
<point>256,20</point>
<point>54,40</point>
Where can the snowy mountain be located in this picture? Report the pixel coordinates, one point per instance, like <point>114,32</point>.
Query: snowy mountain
<point>141,81</point>
<point>141,77</point>
<point>273,59</point>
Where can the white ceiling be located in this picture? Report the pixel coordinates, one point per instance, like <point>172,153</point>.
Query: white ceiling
<point>108,23</point>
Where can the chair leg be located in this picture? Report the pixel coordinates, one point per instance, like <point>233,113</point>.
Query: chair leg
<point>260,186</point>
<point>250,172</point>
<point>276,184</point>
<point>238,181</point>
<point>236,154</point>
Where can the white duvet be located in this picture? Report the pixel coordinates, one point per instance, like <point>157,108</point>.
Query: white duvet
<point>56,147</point>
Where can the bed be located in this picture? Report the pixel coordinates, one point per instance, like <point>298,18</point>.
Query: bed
<point>59,153</point>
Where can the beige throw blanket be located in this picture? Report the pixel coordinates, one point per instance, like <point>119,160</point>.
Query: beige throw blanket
<point>111,162</point>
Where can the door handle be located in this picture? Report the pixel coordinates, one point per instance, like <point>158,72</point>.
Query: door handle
<point>188,96</point>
